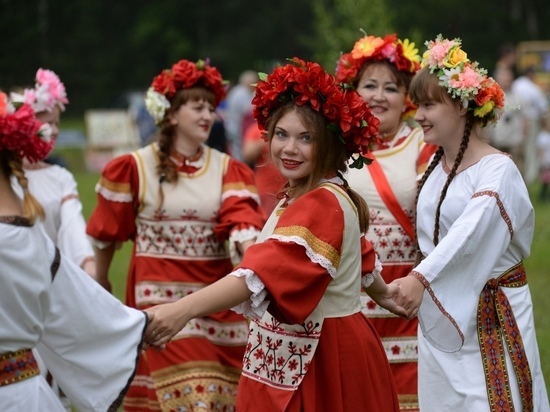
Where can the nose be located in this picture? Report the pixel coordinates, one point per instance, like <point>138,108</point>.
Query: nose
<point>419,115</point>
<point>291,145</point>
<point>55,131</point>
<point>378,94</point>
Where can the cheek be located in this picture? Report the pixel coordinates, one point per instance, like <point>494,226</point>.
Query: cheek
<point>365,94</point>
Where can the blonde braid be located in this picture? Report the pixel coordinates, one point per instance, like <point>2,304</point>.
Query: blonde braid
<point>31,207</point>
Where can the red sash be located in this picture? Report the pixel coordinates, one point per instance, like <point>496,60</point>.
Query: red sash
<point>496,323</point>
<point>389,199</point>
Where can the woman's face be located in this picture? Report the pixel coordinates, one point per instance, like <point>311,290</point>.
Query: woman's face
<point>193,121</point>
<point>292,148</point>
<point>442,122</point>
<point>378,88</point>
<point>52,118</point>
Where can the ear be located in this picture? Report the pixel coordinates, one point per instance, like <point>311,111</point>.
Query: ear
<point>171,116</point>
<point>462,110</point>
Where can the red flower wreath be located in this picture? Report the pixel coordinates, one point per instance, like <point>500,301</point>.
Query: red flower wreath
<point>185,74</point>
<point>305,82</point>
<point>19,132</point>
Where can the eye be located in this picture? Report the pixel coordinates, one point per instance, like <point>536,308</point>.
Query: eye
<point>280,134</point>
<point>306,138</point>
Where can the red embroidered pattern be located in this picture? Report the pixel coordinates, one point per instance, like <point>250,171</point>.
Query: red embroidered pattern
<point>495,320</point>
<point>503,213</point>
<point>17,366</point>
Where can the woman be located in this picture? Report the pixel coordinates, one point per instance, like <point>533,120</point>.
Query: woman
<point>180,201</point>
<point>54,186</point>
<point>381,69</point>
<point>88,340</point>
<point>320,354</point>
<point>478,349</point>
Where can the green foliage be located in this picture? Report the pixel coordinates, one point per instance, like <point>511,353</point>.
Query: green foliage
<point>338,24</point>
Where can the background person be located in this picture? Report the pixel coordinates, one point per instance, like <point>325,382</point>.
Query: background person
<point>179,201</point>
<point>381,69</point>
<point>477,347</point>
<point>320,354</point>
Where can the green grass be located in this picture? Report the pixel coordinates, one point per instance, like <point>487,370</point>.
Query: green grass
<point>537,264</point>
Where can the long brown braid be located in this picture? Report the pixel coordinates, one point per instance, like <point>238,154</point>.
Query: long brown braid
<point>31,207</point>
<point>452,173</point>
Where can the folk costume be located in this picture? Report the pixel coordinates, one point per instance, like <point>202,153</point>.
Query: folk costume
<point>475,312</point>
<point>46,299</point>
<point>477,344</point>
<point>390,193</point>
<point>320,354</point>
<point>175,254</point>
<point>388,185</point>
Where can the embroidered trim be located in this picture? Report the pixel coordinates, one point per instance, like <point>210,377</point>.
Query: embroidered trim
<point>426,284</point>
<point>401,349</point>
<point>17,366</point>
<point>55,264</point>
<point>113,196</point>
<point>243,193</point>
<point>69,197</point>
<point>501,207</point>
<point>318,251</point>
<point>495,323</point>
<point>15,220</point>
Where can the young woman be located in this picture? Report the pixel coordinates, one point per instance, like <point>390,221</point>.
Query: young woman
<point>477,346</point>
<point>88,340</point>
<point>53,185</point>
<point>180,201</point>
<point>309,348</point>
<point>381,69</point>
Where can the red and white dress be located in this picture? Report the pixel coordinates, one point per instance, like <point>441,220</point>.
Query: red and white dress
<point>310,348</point>
<point>177,253</point>
<point>389,188</point>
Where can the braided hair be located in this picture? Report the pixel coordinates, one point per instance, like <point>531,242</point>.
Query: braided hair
<point>166,169</point>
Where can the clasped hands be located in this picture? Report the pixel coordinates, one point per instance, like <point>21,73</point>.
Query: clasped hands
<point>165,321</point>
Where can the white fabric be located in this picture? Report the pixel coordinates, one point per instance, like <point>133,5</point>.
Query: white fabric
<point>31,395</point>
<point>480,238</point>
<point>543,144</point>
<point>509,130</point>
<point>56,190</point>
<point>88,340</point>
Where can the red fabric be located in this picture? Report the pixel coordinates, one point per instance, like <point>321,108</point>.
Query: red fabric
<point>424,157</point>
<point>268,178</point>
<point>189,362</point>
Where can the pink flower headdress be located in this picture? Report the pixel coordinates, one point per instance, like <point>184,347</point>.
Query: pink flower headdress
<point>21,132</point>
<point>48,92</point>
<point>403,54</point>
<point>182,75</point>
<point>308,83</point>
<point>464,79</point>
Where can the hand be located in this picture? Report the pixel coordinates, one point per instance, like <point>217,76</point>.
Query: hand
<point>165,322</point>
<point>386,299</point>
<point>409,294</point>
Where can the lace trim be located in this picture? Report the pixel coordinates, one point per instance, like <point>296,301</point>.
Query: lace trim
<point>367,279</point>
<point>112,195</point>
<point>256,306</point>
<point>240,236</point>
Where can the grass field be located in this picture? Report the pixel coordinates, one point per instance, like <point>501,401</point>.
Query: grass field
<point>538,264</point>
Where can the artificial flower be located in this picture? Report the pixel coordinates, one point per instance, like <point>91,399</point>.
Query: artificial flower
<point>48,92</point>
<point>308,83</point>
<point>156,104</point>
<point>464,79</point>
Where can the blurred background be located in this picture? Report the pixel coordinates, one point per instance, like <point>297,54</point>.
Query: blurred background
<point>107,53</point>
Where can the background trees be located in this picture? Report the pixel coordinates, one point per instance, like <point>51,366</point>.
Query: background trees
<point>101,47</point>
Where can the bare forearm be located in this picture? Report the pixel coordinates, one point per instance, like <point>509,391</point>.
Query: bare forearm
<point>103,261</point>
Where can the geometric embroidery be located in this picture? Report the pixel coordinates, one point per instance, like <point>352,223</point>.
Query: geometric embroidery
<point>496,323</point>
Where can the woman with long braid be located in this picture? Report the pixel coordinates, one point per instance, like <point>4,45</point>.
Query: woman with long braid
<point>87,338</point>
<point>477,344</point>
<point>180,201</point>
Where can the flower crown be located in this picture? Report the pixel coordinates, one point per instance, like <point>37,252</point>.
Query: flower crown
<point>305,82</point>
<point>21,132</point>
<point>401,53</point>
<point>464,79</point>
<point>183,75</point>
<point>48,93</point>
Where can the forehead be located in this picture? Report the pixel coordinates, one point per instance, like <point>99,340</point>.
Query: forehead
<point>378,72</point>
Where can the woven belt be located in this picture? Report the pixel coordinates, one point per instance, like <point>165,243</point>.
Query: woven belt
<point>17,366</point>
<point>496,323</point>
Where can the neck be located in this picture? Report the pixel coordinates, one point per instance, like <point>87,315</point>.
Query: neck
<point>185,147</point>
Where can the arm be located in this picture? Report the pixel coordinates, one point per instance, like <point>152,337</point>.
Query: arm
<point>170,318</point>
<point>104,258</point>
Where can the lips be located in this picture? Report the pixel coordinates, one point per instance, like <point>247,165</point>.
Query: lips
<point>290,164</point>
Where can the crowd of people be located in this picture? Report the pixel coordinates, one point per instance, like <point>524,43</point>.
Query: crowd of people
<point>357,243</point>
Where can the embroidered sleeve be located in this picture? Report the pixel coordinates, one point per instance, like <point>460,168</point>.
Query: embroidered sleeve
<point>256,306</point>
<point>303,253</point>
<point>113,219</point>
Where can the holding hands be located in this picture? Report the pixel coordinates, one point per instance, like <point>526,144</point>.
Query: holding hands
<point>408,296</point>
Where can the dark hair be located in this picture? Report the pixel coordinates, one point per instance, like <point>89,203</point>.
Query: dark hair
<point>166,169</point>
<point>402,79</point>
<point>329,154</point>
<point>425,87</point>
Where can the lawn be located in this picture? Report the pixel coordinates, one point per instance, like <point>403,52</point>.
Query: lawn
<point>537,264</point>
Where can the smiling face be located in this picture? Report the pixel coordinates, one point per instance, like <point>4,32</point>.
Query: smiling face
<point>292,148</point>
<point>379,88</point>
<point>193,121</point>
